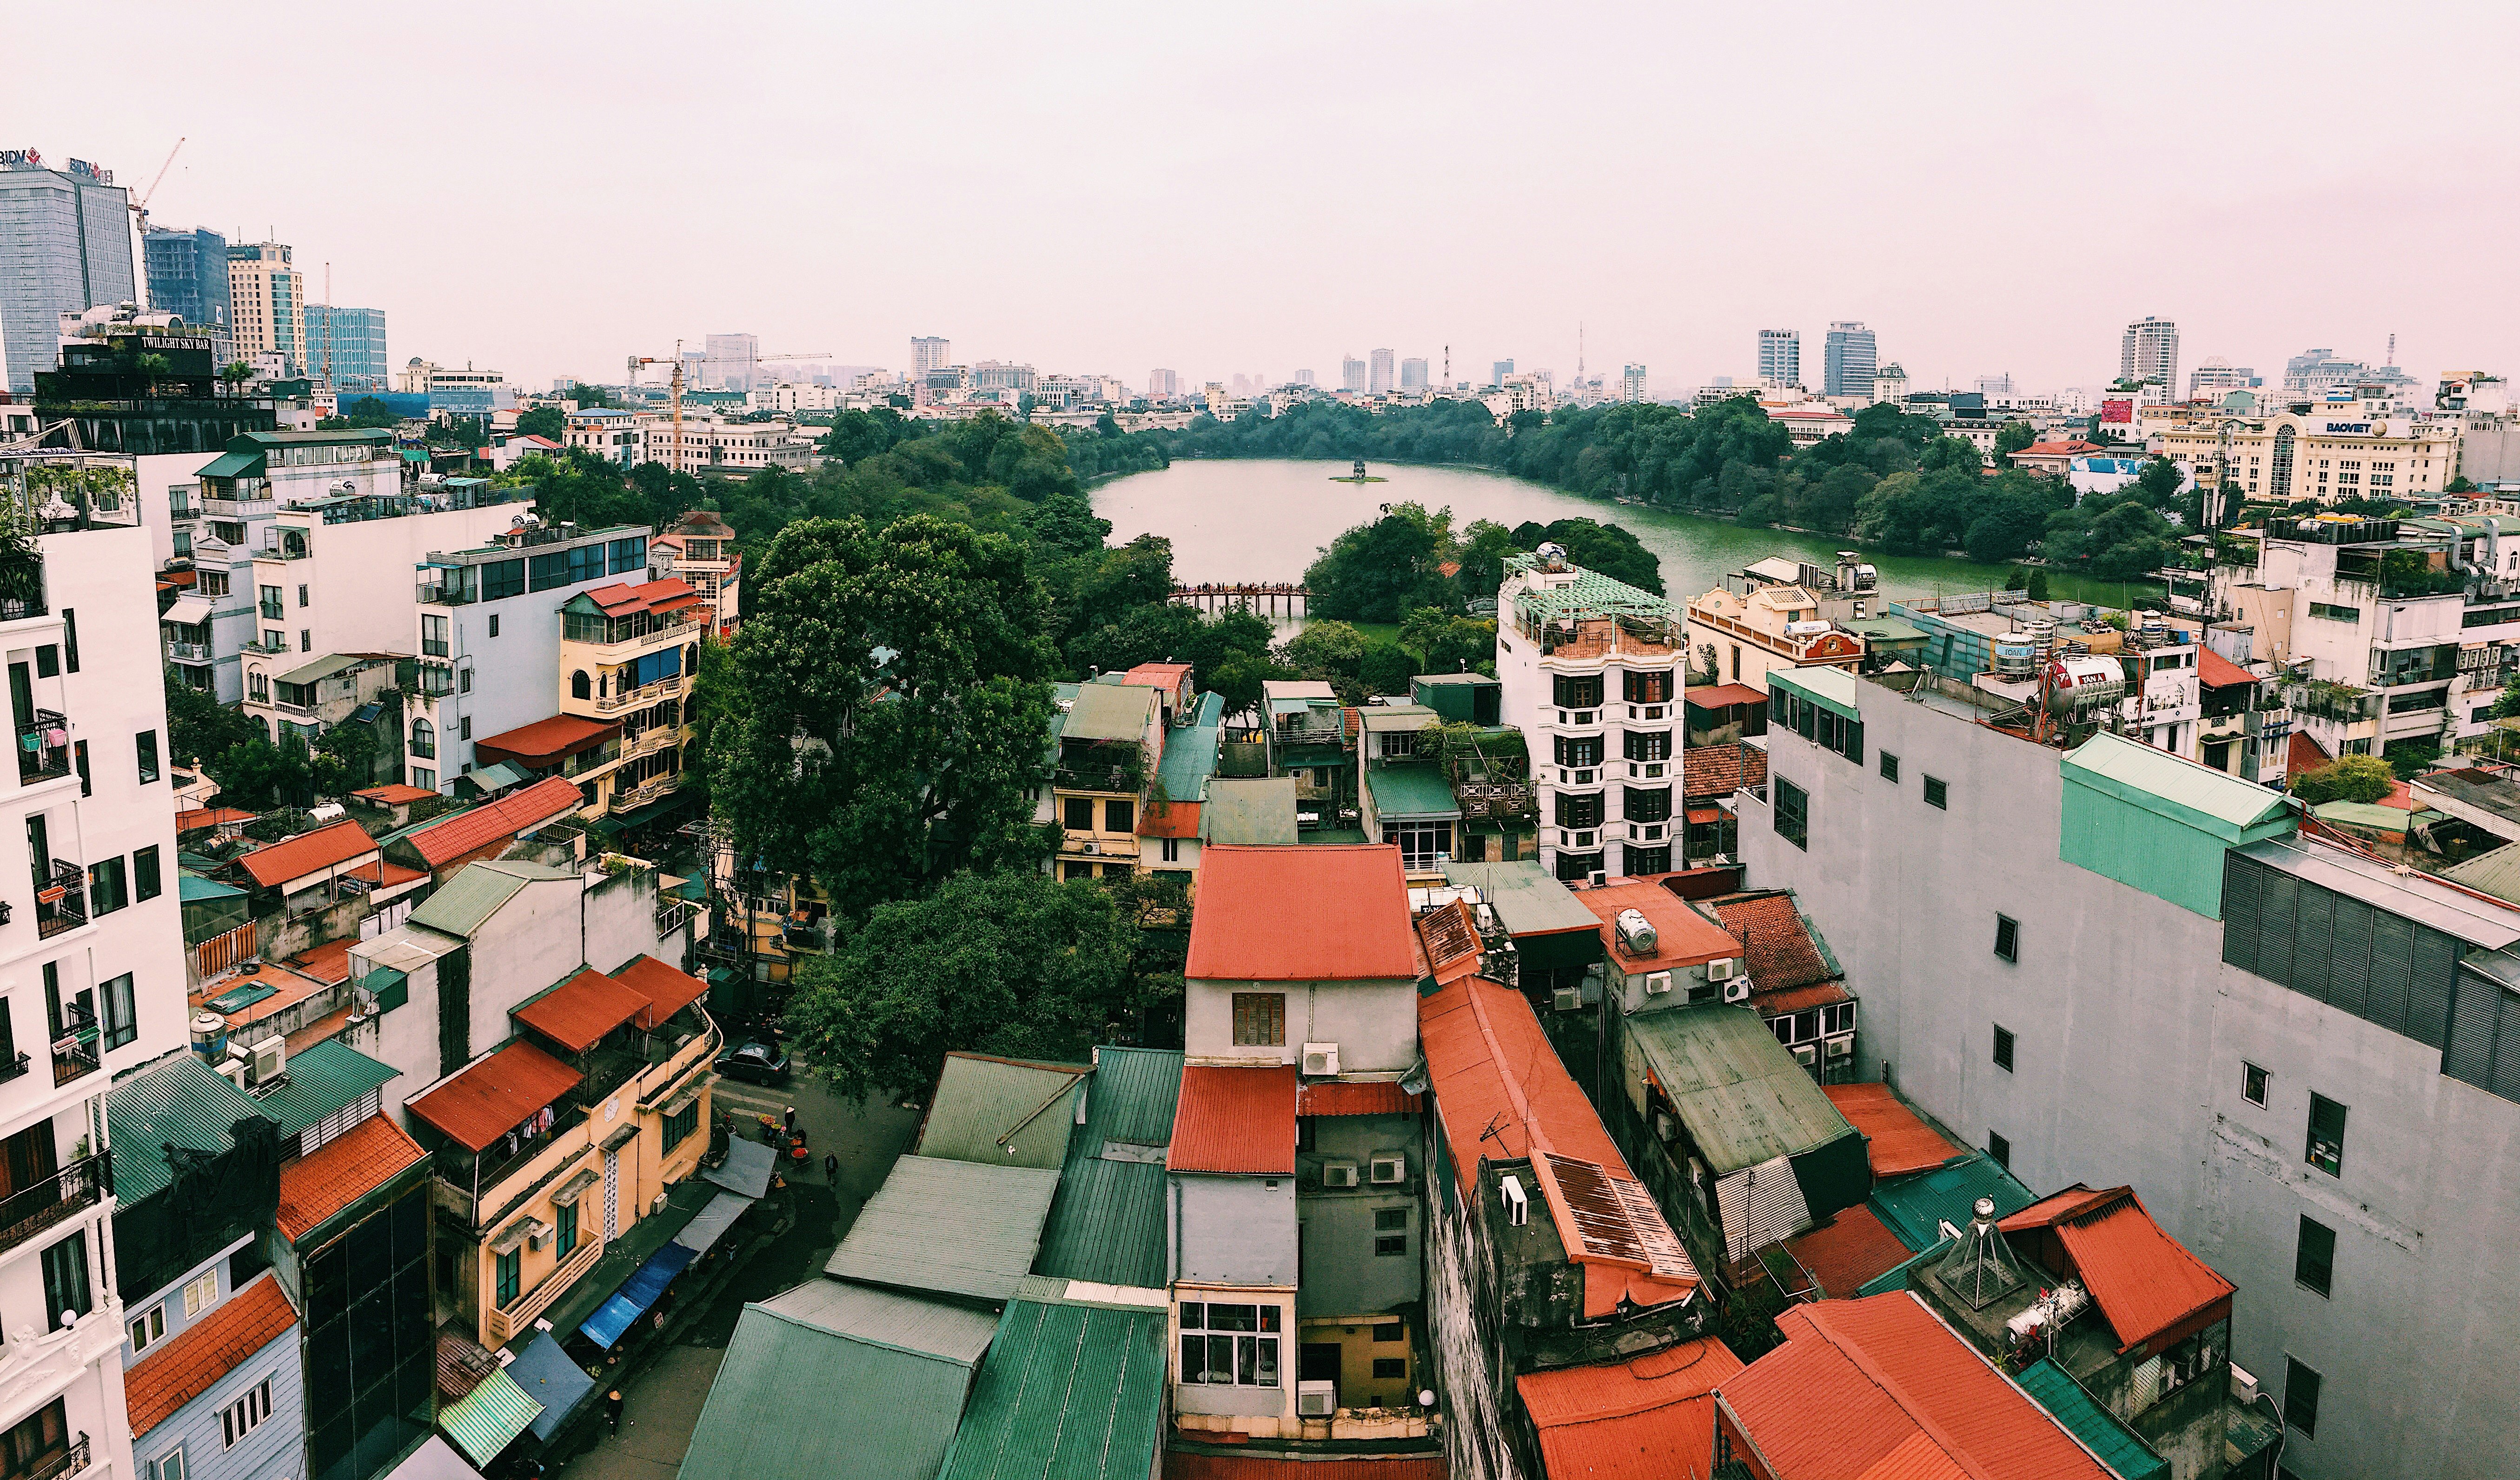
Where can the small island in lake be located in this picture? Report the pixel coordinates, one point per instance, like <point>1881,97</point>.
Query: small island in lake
<point>1360,475</point>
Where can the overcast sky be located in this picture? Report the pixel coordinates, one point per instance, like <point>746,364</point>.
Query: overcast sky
<point>545,190</point>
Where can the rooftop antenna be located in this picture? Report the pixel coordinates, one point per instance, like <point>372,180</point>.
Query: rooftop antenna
<point>1981,1268</point>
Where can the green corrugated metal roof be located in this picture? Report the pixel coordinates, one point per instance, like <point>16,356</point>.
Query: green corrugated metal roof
<point>2497,872</point>
<point>2372,815</point>
<point>1896,1278</point>
<point>1829,688</point>
<point>1003,1114</point>
<point>2184,790</point>
<point>179,1101</point>
<point>1741,1095</point>
<point>233,464</point>
<point>475,893</point>
<point>1189,752</point>
<point>1414,789</point>
<point>1068,1392</point>
<point>489,1418</point>
<point>787,1388</point>
<point>1110,712</point>
<point>1527,898</point>
<point>2127,1457</point>
<point>1913,1208</point>
<point>956,1228</point>
<point>320,1082</point>
<point>1249,809</point>
<point>191,888</point>
<point>912,1322</point>
<point>1106,1223</point>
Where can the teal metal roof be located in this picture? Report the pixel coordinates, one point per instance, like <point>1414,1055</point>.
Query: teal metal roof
<point>1416,788</point>
<point>179,1101</point>
<point>489,1418</point>
<point>463,903</point>
<point>192,889</point>
<point>788,1388</point>
<point>2496,872</point>
<point>2198,794</point>
<point>1002,1113</point>
<point>321,1083</point>
<point>1739,1092</point>
<point>233,464</point>
<point>1106,1223</point>
<point>954,1228</point>
<point>1189,752</point>
<point>1589,594</point>
<point>2127,1456</point>
<point>936,1328</point>
<point>1068,1392</point>
<point>1832,689</point>
<point>1913,1208</point>
<point>1896,1277</point>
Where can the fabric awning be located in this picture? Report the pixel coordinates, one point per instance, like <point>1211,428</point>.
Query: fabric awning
<point>640,1292</point>
<point>233,464</point>
<point>746,1170</point>
<point>434,1459</point>
<point>551,1378</point>
<point>189,611</point>
<point>489,1418</point>
<point>704,1232</point>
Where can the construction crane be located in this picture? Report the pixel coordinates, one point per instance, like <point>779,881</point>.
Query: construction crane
<point>637,361</point>
<point>140,210</point>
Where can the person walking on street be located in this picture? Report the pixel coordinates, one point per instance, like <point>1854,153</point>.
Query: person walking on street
<point>612,1408</point>
<point>790,1120</point>
<point>830,1166</point>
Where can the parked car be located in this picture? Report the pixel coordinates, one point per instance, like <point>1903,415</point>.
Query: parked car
<point>755,1059</point>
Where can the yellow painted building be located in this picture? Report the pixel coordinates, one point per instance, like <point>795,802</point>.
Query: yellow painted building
<point>628,655</point>
<point>2330,454</point>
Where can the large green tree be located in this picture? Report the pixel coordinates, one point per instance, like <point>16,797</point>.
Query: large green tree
<point>1375,571</point>
<point>1609,549</point>
<point>544,422</point>
<point>201,728</point>
<point>1013,964</point>
<point>886,708</point>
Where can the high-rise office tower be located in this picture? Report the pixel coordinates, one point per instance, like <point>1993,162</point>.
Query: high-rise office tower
<point>1503,369</point>
<point>1850,357</point>
<point>347,347</point>
<point>1303,378</point>
<point>2150,352</point>
<point>1412,375</point>
<point>734,361</point>
<point>65,247</point>
<point>1378,379</point>
<point>267,301</point>
<point>1351,373</point>
<point>188,275</point>
<point>1631,384</point>
<point>1780,357</point>
<point>930,352</point>
<point>1994,385</point>
<point>1162,385</point>
<point>2218,374</point>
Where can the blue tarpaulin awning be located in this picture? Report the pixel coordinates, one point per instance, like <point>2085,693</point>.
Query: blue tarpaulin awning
<point>551,1379</point>
<point>637,1293</point>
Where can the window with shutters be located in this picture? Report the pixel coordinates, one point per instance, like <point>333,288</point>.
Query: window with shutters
<point>2301,1397</point>
<point>1999,1149</point>
<point>2007,938</point>
<point>1889,767</point>
<point>2314,1258</point>
<point>1793,814</point>
<point>1647,745</point>
<point>2383,968</point>
<point>2326,1140</point>
<point>1576,691</point>
<point>1260,1019</point>
<point>1648,804</point>
<point>2004,1049</point>
<point>1579,809</point>
<point>1645,687</point>
<point>1578,750</point>
<point>1938,795</point>
<point>1078,813</point>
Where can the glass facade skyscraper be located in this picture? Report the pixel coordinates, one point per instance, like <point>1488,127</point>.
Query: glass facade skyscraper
<point>65,247</point>
<point>188,275</point>
<point>1851,360</point>
<point>349,344</point>
<point>1780,357</point>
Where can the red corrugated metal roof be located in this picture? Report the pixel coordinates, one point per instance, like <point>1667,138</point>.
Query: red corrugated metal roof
<point>2215,671</point>
<point>1718,696</point>
<point>1381,1097</point>
<point>1704,815</point>
<point>210,1348</point>
<point>341,1172</point>
<point>1170,820</point>
<point>2145,1282</point>
<point>495,822</point>
<point>1449,938</point>
<point>199,818</point>
<point>329,962</point>
<point>1157,675</point>
<point>2303,755</point>
<point>1649,1418</point>
<point>1305,914</point>
<point>394,794</point>
<point>1776,944</point>
<point>1185,1465</point>
<point>1682,936</point>
<point>545,741</point>
<point>1236,1120</point>
<point>666,989</point>
<point>1498,1082</point>
<point>621,598</point>
<point>579,1011</point>
<point>495,1096</point>
<point>1795,998</point>
<point>307,853</point>
<point>1847,1250</point>
<point>1896,1140</point>
<point>1880,1388</point>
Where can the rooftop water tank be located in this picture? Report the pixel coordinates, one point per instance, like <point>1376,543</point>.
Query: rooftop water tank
<point>1552,556</point>
<point>2016,655</point>
<point>210,1036</point>
<point>2078,683</point>
<point>1635,932</point>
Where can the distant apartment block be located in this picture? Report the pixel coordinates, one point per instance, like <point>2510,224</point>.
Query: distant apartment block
<point>65,247</point>
<point>930,352</point>
<point>1851,358</point>
<point>346,348</point>
<point>1378,379</point>
<point>2149,351</point>
<point>1780,357</point>
<point>267,297</point>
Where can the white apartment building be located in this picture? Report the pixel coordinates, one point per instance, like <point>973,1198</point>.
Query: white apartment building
<point>788,400</point>
<point>729,449</point>
<point>1591,670</point>
<point>2329,454</point>
<point>267,304</point>
<point>91,972</point>
<point>2149,351</point>
<point>328,578</point>
<point>612,434</point>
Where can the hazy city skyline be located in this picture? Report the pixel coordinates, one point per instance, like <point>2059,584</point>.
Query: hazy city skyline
<point>1985,195</point>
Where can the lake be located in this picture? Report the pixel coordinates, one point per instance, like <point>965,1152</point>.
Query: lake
<point>1260,519</point>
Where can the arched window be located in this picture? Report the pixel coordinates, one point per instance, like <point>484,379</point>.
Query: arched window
<point>424,739</point>
<point>578,687</point>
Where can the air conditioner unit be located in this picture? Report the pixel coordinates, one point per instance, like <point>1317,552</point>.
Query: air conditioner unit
<point>1320,1058</point>
<point>1737,989</point>
<point>1841,1047</point>
<point>1657,983</point>
<point>1092,847</point>
<point>1518,1204</point>
<point>233,1070</point>
<point>1316,1399</point>
<point>1567,999</point>
<point>1720,969</point>
<point>2244,1386</point>
<point>1338,1174</point>
<point>1389,1169</point>
<point>1806,1055</point>
<point>1597,878</point>
<point>270,1056</point>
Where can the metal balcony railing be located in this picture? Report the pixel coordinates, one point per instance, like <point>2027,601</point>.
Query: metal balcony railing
<point>69,1462</point>
<point>43,748</point>
<point>31,1210</point>
<point>194,653</point>
<point>62,905</point>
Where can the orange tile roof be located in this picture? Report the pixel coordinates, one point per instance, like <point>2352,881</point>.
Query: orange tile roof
<point>1186,1464</point>
<point>1649,1418</point>
<point>1157,675</point>
<point>1498,1082</point>
<point>1795,998</point>
<point>199,818</point>
<point>621,598</point>
<point>1236,1120</point>
<point>1717,771</point>
<point>342,1170</point>
<point>1776,944</point>
<point>666,989</point>
<point>1882,1390</point>
<point>1847,1250</point>
<point>545,741</point>
<point>159,1383</point>
<point>1338,913</point>
<point>1897,1141</point>
<point>474,829</point>
<point>1170,820</point>
<point>579,1011</point>
<point>329,962</point>
<point>1682,936</point>
<point>394,794</point>
<point>1377,1097</point>
<point>2145,1282</point>
<point>307,853</point>
<point>495,1096</point>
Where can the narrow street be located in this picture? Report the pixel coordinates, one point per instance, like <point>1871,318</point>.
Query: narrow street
<point>662,1403</point>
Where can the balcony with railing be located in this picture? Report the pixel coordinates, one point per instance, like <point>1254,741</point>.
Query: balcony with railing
<point>61,905</point>
<point>43,748</point>
<point>636,699</point>
<point>49,1203</point>
<point>69,1462</point>
<point>188,653</point>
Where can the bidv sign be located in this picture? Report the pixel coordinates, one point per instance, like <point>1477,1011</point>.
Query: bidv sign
<point>86,172</point>
<point>12,158</point>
